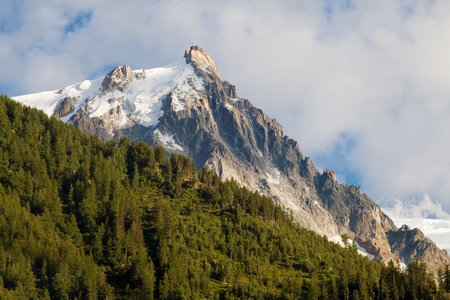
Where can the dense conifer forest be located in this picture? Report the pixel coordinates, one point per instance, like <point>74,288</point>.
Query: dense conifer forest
<point>82,219</point>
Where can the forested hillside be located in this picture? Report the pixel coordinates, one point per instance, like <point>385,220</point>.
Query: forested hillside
<point>90,220</point>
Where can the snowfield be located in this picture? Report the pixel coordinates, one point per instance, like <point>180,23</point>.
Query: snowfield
<point>142,101</point>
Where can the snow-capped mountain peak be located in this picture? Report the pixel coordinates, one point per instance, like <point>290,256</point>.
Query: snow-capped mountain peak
<point>202,61</point>
<point>124,97</point>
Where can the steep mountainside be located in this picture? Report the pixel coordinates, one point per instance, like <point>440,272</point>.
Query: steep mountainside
<point>82,219</point>
<point>187,108</point>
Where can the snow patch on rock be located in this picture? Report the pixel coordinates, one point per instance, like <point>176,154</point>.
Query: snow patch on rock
<point>273,176</point>
<point>177,103</point>
<point>337,239</point>
<point>168,141</point>
<point>229,106</point>
<point>363,251</point>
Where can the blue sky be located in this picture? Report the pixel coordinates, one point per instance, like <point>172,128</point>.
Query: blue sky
<point>363,86</point>
<point>81,20</point>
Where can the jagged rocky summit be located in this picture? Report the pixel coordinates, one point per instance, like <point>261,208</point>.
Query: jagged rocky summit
<point>187,108</point>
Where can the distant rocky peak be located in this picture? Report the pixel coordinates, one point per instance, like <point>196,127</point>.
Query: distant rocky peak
<point>202,62</point>
<point>118,79</point>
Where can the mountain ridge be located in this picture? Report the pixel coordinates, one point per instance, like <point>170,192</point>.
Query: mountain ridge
<point>192,111</point>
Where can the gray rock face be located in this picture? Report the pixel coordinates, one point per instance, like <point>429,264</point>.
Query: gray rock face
<point>119,78</point>
<point>216,128</point>
<point>64,108</point>
<point>238,140</point>
<point>90,125</point>
<point>412,244</point>
<point>204,64</point>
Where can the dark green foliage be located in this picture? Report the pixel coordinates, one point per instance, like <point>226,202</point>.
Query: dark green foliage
<point>90,220</point>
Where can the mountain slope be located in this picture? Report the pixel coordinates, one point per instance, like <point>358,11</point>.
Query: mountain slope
<point>187,108</point>
<point>81,219</point>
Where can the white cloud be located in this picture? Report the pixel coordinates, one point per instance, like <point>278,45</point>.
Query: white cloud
<point>362,85</point>
<point>423,208</point>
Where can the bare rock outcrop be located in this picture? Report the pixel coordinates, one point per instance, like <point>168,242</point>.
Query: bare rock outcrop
<point>203,63</point>
<point>412,245</point>
<point>119,78</point>
<point>65,107</point>
<point>91,125</point>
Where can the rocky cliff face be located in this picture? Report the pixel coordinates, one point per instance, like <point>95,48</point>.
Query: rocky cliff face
<point>411,244</point>
<point>120,78</point>
<point>192,111</point>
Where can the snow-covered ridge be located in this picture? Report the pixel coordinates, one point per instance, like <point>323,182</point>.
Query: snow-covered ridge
<point>140,103</point>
